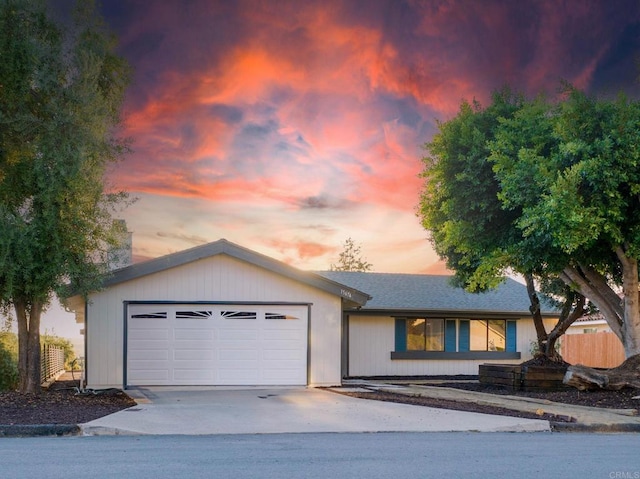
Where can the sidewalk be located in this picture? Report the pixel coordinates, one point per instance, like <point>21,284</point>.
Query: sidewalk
<point>586,418</point>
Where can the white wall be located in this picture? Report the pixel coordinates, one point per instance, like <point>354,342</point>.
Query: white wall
<point>219,278</point>
<point>372,339</point>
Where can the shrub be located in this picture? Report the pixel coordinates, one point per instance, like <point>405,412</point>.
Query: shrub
<point>8,361</point>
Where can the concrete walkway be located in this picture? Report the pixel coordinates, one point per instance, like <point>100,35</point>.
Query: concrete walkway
<point>584,418</point>
<point>196,411</point>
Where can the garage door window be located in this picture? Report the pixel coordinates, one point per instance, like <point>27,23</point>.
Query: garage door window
<point>279,316</point>
<point>193,314</point>
<point>239,314</point>
<point>160,315</point>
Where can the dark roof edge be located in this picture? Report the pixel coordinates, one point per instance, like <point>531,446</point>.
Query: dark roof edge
<point>233,250</point>
<point>448,313</point>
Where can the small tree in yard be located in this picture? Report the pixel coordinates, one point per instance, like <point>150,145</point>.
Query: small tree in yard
<point>351,259</point>
<point>61,89</point>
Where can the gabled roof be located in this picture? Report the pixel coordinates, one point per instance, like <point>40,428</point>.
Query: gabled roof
<point>434,293</point>
<point>138,270</point>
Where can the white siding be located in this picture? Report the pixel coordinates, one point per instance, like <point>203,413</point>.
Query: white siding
<point>372,339</point>
<point>218,278</point>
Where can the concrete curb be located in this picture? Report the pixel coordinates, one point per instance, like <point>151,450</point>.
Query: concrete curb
<point>569,427</point>
<point>35,430</point>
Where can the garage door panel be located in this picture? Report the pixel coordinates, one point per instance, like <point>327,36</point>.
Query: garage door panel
<point>278,345</point>
<point>294,335</point>
<point>186,344</point>
<point>148,333</point>
<point>197,334</point>
<point>194,374</point>
<point>238,335</point>
<point>141,344</point>
<point>149,354</point>
<point>194,354</point>
<point>283,354</point>
<point>191,344</point>
<point>238,354</point>
<point>193,364</point>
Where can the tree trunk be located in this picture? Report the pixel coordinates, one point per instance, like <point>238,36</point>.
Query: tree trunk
<point>28,316</point>
<point>541,332</point>
<point>625,375</point>
<point>631,324</point>
<point>547,341</point>
<point>568,316</point>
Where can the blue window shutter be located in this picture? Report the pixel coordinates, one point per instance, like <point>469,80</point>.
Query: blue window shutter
<point>464,341</point>
<point>450,336</point>
<point>512,336</point>
<point>401,334</point>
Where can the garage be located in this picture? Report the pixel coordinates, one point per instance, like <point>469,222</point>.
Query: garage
<point>216,344</point>
<point>217,314</point>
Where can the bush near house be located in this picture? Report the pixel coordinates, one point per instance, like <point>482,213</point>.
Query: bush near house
<point>8,361</point>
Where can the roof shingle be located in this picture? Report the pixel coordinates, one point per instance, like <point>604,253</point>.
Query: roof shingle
<point>416,292</point>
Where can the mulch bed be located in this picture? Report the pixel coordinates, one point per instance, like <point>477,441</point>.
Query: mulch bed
<point>60,404</point>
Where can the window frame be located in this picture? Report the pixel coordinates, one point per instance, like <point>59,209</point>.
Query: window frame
<point>459,346</point>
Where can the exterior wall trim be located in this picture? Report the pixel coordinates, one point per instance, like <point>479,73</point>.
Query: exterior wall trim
<point>430,355</point>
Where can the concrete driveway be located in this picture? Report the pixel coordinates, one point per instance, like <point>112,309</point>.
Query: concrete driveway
<point>193,411</point>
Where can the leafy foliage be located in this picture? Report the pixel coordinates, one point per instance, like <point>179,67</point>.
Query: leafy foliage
<point>62,88</point>
<point>547,189</point>
<point>8,361</point>
<point>350,259</point>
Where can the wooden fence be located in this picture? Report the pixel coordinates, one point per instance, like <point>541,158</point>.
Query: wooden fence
<point>597,350</point>
<point>51,362</point>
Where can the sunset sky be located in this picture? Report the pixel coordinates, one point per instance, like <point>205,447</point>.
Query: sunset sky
<point>288,127</point>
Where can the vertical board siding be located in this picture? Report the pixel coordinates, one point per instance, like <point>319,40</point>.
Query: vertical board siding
<point>218,278</point>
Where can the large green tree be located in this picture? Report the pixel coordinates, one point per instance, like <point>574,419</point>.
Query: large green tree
<point>566,174</point>
<point>469,226</point>
<point>61,90</point>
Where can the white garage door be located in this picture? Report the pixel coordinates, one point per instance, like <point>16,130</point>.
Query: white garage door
<point>199,344</point>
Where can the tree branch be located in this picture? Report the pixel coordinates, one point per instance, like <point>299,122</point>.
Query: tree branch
<point>610,312</point>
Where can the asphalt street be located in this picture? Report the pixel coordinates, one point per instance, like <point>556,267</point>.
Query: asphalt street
<point>370,455</point>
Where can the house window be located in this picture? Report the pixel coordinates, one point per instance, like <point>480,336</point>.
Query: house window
<point>429,338</point>
<point>425,334</point>
<point>488,335</point>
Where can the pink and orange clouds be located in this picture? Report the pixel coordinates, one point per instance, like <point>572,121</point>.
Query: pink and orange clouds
<point>289,126</point>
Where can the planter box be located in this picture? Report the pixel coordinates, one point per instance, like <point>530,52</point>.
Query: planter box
<point>522,378</point>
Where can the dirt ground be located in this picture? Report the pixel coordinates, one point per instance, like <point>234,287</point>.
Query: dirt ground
<point>61,404</point>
